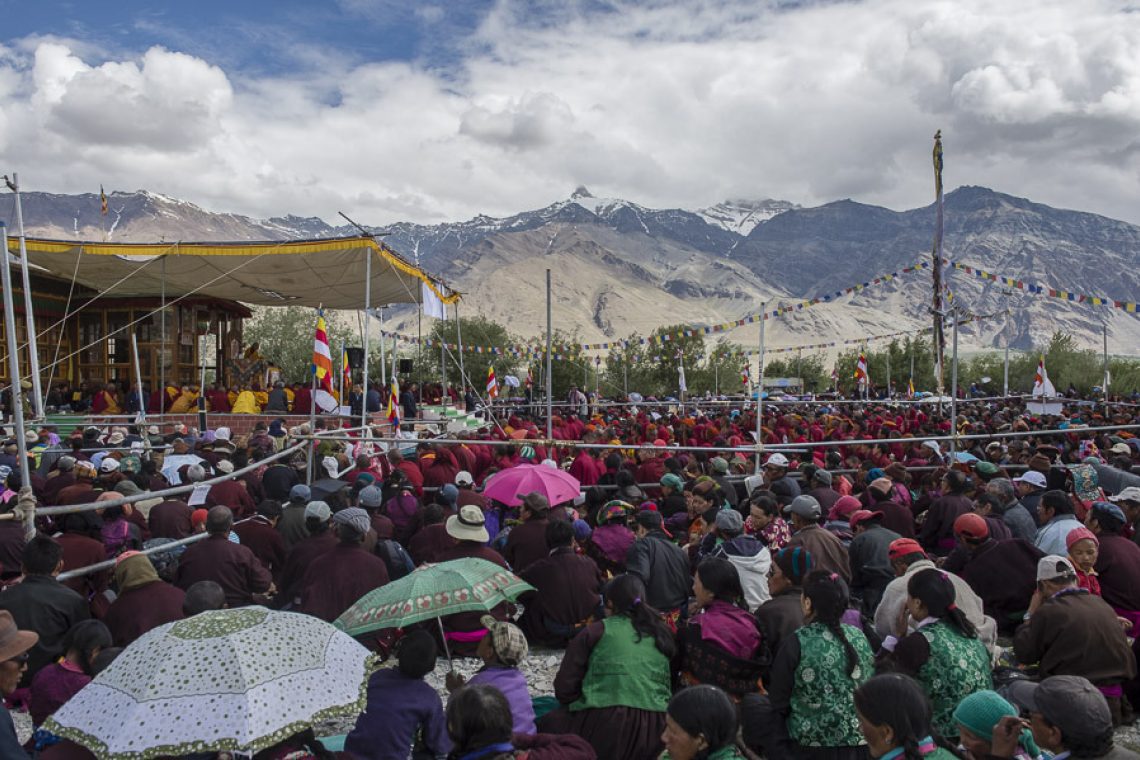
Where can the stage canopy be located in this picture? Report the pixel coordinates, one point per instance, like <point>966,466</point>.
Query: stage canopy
<point>279,273</point>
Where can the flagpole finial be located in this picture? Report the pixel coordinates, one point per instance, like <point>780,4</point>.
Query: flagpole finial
<point>938,135</point>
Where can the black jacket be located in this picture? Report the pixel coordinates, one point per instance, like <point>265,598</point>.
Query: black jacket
<point>663,567</point>
<point>42,604</point>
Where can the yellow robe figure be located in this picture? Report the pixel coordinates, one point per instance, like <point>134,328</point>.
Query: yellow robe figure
<point>246,404</point>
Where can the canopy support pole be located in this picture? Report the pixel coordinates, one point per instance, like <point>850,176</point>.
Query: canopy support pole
<point>462,370</point>
<point>15,390</point>
<point>29,315</point>
<point>367,333</point>
<point>312,450</point>
<point>383,356</point>
<point>549,385</point>
<point>760,390</point>
<point>162,346</point>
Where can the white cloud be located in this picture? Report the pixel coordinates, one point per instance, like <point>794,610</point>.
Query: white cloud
<point>672,104</point>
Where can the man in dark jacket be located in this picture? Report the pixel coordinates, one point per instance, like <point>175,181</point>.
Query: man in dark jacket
<point>291,526</point>
<point>781,615</point>
<point>871,569</point>
<point>660,564</point>
<point>827,551</point>
<point>526,543</point>
<point>1118,559</point>
<point>232,566</point>
<point>822,491</point>
<point>937,533</point>
<point>896,517</point>
<point>1071,632</point>
<point>42,604</point>
<point>567,590</point>
<point>1012,512</point>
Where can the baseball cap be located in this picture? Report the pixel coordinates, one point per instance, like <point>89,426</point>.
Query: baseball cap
<point>1033,478</point>
<point>862,516</point>
<point>804,506</point>
<point>108,465</point>
<point>507,640</point>
<point>1110,509</point>
<point>719,464</point>
<point>777,460</point>
<point>729,520</point>
<point>971,525</point>
<point>1121,448</point>
<point>1054,567</point>
<point>902,547</point>
<point>1132,493</point>
<point>299,493</point>
<point>224,465</point>
<point>1071,703</point>
<point>933,446</point>
<point>822,476</point>
<point>318,509</point>
<point>463,478</point>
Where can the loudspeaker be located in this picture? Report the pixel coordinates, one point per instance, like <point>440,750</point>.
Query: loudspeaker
<point>406,366</point>
<point>355,357</point>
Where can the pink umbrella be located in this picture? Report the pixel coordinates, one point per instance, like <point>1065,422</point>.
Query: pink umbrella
<point>556,485</point>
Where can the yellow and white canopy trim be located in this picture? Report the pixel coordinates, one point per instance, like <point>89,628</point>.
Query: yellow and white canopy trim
<point>273,273</point>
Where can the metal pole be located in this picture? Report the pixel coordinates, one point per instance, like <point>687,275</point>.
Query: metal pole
<point>202,388</point>
<point>760,386</point>
<point>625,375</point>
<point>139,381</point>
<point>443,372</point>
<point>1106,377</point>
<point>15,391</point>
<point>716,375</point>
<point>29,315</point>
<point>367,336</point>
<point>954,389</point>
<point>383,357</point>
<point>549,384</point>
<point>312,448</point>
<point>162,346</point>
<point>462,369</point>
<point>1005,374</point>
<point>888,372</point>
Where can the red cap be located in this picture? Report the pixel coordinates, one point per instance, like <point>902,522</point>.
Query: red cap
<point>198,517</point>
<point>971,525</point>
<point>901,547</point>
<point>861,516</point>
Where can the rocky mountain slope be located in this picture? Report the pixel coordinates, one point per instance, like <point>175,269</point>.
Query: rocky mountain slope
<point>619,267</point>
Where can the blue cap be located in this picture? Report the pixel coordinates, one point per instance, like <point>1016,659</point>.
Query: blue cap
<point>300,493</point>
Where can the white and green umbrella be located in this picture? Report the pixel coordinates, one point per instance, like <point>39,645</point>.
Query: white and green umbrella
<point>237,680</point>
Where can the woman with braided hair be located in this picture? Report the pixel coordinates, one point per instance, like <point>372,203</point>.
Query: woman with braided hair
<point>894,718</point>
<point>614,683</point>
<point>944,653</point>
<point>810,711</point>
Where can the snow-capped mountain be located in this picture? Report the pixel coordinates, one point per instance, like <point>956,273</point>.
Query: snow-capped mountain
<point>620,267</point>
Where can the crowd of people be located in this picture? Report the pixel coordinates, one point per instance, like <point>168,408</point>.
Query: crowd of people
<point>849,600</point>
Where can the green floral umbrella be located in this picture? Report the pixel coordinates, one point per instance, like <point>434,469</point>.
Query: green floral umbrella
<point>231,680</point>
<point>432,591</point>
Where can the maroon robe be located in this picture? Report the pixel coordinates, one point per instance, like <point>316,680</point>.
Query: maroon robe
<point>338,578</point>
<point>81,551</point>
<point>230,565</point>
<point>429,543</point>
<point>526,543</point>
<point>138,610</point>
<point>232,494</point>
<point>297,564</point>
<point>171,519</point>
<point>265,543</point>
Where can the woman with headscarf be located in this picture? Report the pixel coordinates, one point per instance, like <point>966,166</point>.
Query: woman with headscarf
<point>978,715</point>
<point>144,602</point>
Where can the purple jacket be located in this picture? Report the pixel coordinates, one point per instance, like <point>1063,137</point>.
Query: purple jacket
<point>398,707</point>
<point>512,683</point>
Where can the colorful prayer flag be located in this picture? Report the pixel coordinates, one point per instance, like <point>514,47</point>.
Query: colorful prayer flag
<point>345,368</point>
<point>861,376</point>
<point>322,357</point>
<point>492,383</point>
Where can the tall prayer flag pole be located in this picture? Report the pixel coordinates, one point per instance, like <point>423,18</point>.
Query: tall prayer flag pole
<point>939,337</point>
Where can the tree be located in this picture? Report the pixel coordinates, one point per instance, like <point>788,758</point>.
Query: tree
<point>285,338</point>
<point>476,331</point>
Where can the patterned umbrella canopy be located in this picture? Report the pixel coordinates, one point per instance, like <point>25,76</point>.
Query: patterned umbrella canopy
<point>506,485</point>
<point>237,680</point>
<point>432,591</point>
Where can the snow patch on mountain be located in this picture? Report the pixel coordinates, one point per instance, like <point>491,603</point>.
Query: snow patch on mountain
<point>742,216</point>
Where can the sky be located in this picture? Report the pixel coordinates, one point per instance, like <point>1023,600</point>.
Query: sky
<point>439,111</point>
